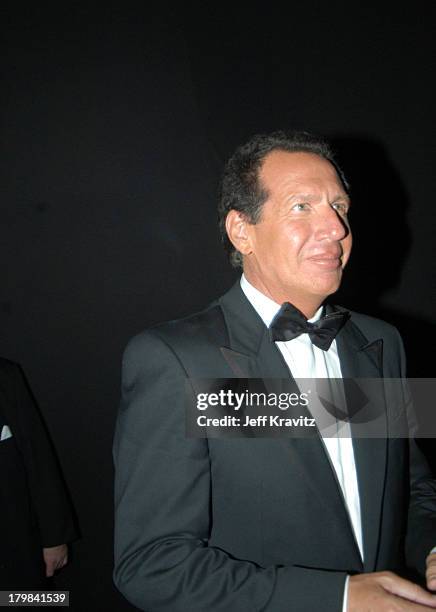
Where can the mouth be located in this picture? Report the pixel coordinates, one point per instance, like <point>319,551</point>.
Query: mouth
<point>327,261</point>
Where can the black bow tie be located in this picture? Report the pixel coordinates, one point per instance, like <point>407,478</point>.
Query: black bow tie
<point>290,322</point>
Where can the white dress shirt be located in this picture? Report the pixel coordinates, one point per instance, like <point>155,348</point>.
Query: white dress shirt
<point>305,360</point>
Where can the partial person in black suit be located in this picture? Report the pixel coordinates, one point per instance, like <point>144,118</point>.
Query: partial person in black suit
<point>36,517</point>
<point>272,525</point>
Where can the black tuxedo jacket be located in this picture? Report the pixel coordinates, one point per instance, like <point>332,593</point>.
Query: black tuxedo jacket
<point>35,511</point>
<point>253,524</point>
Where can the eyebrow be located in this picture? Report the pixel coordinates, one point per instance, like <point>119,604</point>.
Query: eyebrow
<point>310,197</point>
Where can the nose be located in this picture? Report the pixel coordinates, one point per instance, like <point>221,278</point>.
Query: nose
<point>332,225</point>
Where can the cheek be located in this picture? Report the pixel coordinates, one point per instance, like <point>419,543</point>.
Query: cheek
<point>283,244</point>
<point>296,240</point>
<point>346,246</point>
<point>286,249</point>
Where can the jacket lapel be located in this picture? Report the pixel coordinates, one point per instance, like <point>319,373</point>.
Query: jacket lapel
<point>251,354</point>
<point>361,359</point>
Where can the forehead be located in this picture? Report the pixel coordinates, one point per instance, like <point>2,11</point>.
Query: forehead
<point>285,170</point>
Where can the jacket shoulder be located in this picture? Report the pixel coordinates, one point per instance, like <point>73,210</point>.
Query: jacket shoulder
<point>373,328</point>
<point>185,338</point>
<point>393,354</point>
<point>10,372</point>
<point>7,366</point>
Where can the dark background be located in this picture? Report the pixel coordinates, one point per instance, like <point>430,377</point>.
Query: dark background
<point>116,124</point>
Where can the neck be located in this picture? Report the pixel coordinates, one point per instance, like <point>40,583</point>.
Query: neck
<point>308,304</point>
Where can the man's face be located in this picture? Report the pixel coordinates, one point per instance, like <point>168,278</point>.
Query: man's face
<point>302,241</point>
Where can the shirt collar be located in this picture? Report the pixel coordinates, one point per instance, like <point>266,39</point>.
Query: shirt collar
<point>265,307</point>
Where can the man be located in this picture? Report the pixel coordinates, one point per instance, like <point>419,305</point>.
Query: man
<point>264,524</point>
<point>36,520</point>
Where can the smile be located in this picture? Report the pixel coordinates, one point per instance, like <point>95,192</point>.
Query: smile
<point>327,262</point>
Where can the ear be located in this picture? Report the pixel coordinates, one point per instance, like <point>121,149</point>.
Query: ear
<point>237,231</point>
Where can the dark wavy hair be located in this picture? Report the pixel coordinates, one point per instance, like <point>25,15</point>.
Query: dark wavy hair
<point>241,188</point>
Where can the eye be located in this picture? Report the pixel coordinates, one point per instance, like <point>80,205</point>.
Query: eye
<point>301,206</point>
<point>341,207</point>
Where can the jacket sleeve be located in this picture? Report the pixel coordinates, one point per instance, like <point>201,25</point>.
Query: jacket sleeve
<point>421,527</point>
<point>163,509</point>
<point>48,494</point>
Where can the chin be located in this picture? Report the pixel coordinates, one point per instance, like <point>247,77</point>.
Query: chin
<point>325,289</point>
